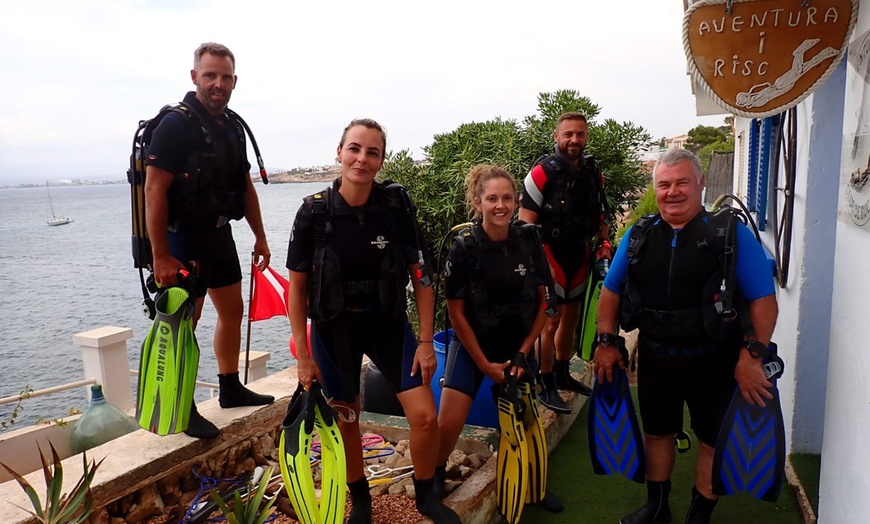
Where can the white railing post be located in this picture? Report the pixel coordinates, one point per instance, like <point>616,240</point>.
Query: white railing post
<point>257,368</point>
<point>104,355</point>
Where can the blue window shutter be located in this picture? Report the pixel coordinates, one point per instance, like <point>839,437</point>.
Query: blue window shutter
<point>766,155</point>
<point>752,179</point>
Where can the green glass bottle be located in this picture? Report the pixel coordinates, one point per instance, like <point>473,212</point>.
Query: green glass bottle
<point>101,423</point>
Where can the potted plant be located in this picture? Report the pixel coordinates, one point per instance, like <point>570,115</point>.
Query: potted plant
<point>58,508</point>
<point>249,509</point>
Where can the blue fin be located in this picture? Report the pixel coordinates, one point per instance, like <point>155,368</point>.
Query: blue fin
<point>750,448</point>
<point>615,439</point>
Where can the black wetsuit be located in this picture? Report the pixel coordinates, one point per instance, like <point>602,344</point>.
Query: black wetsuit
<point>502,270</point>
<point>205,245</point>
<point>360,239</point>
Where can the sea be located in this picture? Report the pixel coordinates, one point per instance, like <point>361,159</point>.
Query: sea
<point>59,281</point>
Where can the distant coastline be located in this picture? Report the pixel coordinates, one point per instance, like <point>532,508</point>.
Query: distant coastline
<point>279,177</point>
<point>291,177</point>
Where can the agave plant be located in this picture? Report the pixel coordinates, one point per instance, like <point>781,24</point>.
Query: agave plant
<point>59,508</point>
<point>248,510</point>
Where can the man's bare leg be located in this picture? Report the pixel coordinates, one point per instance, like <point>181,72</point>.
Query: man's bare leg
<point>230,308</point>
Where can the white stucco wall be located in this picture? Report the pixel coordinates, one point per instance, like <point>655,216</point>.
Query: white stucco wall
<point>802,329</point>
<point>822,328</point>
<point>845,476</point>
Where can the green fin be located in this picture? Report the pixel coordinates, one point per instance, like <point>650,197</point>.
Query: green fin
<point>536,443</point>
<point>307,410</point>
<point>513,457</point>
<point>333,461</point>
<point>294,450</point>
<point>588,327</point>
<point>168,366</point>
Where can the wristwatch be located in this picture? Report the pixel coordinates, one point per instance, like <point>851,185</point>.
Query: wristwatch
<point>756,349</point>
<point>605,339</point>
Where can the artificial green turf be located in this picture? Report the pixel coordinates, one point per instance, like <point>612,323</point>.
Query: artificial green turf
<point>593,499</point>
<point>808,467</point>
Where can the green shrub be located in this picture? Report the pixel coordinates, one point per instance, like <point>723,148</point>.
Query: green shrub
<point>646,205</point>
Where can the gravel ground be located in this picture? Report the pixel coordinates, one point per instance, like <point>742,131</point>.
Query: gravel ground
<point>386,509</point>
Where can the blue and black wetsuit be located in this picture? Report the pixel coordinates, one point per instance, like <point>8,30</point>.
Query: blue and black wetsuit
<point>679,361</point>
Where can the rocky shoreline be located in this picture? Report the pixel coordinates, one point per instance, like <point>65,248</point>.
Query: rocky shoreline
<point>287,178</point>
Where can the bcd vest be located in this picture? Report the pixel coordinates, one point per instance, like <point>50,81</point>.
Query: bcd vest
<point>577,205</point>
<point>326,286</point>
<point>481,314</point>
<point>211,190</point>
<point>687,299</point>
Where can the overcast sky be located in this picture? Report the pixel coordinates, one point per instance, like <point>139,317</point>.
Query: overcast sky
<point>78,76</point>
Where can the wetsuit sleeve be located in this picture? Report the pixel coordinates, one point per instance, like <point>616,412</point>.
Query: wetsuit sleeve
<point>170,144</point>
<point>301,246</point>
<point>754,271</point>
<point>455,274</point>
<point>534,187</point>
<point>618,266</point>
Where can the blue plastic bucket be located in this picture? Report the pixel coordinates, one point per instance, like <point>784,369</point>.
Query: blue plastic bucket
<point>483,411</point>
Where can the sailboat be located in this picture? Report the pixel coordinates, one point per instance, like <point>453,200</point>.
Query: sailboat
<point>56,220</point>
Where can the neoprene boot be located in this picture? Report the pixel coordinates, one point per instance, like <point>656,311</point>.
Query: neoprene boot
<point>700,509</point>
<point>656,510</point>
<point>362,502</point>
<point>233,394</point>
<point>550,397</point>
<point>429,505</point>
<point>199,427</point>
<point>440,480</point>
<point>565,381</point>
<point>552,503</point>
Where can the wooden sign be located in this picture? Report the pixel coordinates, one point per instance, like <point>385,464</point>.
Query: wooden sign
<point>765,56</point>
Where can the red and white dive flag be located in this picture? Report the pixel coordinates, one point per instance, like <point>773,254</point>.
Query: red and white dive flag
<point>270,295</point>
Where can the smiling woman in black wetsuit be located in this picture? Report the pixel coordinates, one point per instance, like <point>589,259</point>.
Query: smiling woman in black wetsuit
<point>353,249</point>
<point>495,291</point>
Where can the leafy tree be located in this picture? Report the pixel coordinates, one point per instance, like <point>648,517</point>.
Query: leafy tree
<point>647,205</point>
<point>437,185</point>
<point>700,136</point>
<point>706,153</point>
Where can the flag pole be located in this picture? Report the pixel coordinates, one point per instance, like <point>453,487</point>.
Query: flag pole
<point>250,300</point>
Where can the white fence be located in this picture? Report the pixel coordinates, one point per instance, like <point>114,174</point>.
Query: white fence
<point>105,362</point>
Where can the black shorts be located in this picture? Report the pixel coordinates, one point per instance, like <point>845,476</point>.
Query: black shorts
<point>463,375</point>
<point>338,345</point>
<point>209,254</point>
<point>704,383</point>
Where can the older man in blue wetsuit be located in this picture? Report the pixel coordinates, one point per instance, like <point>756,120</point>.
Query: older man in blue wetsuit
<point>681,361</point>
